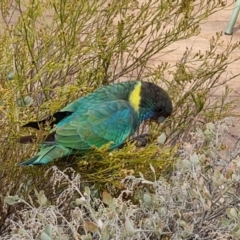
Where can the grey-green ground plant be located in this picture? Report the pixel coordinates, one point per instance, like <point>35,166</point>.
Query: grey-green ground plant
<point>52,52</point>
<point>199,201</point>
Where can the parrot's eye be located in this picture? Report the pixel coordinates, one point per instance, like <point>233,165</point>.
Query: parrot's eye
<point>160,110</point>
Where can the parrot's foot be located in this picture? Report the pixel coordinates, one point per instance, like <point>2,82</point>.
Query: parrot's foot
<point>141,140</point>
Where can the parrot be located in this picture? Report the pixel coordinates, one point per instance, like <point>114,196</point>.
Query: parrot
<point>108,115</point>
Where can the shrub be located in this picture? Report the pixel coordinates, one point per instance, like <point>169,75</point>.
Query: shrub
<point>55,51</point>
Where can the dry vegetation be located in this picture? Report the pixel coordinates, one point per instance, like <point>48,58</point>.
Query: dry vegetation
<point>184,187</point>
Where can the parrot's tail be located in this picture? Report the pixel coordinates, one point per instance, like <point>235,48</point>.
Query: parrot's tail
<point>48,154</point>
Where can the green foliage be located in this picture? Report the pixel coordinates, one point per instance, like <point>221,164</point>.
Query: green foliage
<point>52,52</point>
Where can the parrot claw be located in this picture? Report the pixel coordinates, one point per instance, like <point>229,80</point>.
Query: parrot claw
<point>141,140</point>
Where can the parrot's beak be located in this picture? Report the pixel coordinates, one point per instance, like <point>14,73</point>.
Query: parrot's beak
<point>161,119</point>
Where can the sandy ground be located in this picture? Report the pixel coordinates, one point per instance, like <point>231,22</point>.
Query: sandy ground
<point>216,23</point>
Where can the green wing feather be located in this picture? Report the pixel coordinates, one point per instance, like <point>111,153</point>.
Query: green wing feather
<point>109,122</point>
<point>48,154</point>
<point>97,119</point>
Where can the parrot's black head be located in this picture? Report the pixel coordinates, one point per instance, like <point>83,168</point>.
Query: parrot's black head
<point>155,104</point>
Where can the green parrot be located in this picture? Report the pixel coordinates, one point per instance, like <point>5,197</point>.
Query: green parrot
<point>109,115</point>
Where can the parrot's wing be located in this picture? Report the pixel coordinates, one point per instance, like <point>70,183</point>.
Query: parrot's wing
<point>111,122</point>
<point>98,97</point>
